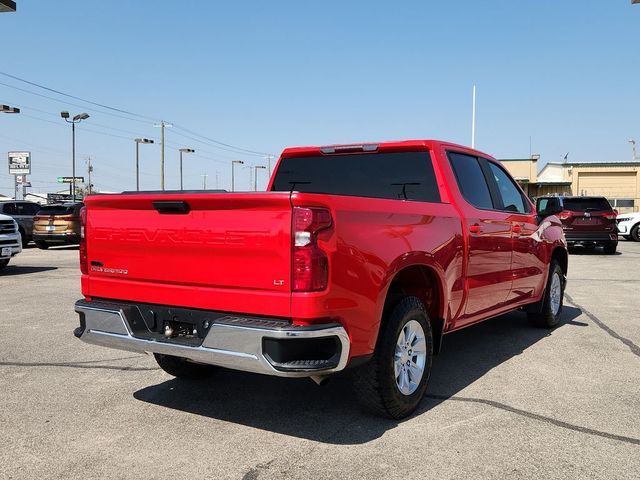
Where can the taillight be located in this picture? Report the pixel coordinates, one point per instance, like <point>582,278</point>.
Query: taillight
<point>610,215</point>
<point>84,261</point>
<point>564,215</point>
<point>310,262</point>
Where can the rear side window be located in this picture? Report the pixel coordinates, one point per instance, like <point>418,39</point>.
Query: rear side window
<point>596,204</point>
<point>9,209</point>
<point>398,176</point>
<point>512,200</point>
<point>471,180</point>
<point>56,210</point>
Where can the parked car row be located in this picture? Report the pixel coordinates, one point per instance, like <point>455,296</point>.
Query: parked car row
<point>45,225</point>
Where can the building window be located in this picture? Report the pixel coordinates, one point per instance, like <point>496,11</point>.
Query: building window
<point>622,202</point>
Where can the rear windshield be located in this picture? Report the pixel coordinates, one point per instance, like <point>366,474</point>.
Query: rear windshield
<point>57,210</point>
<point>586,204</point>
<point>402,175</point>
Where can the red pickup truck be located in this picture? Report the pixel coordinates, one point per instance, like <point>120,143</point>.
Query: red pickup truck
<point>358,257</point>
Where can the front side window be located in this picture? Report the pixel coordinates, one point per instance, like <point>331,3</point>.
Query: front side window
<point>512,199</point>
<point>471,180</point>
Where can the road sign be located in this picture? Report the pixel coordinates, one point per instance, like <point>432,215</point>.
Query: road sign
<point>70,179</point>
<point>19,163</point>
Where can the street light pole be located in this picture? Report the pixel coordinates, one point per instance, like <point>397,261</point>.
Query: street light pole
<point>76,119</point>
<point>8,109</point>
<point>233,180</point>
<point>138,142</point>
<point>255,176</point>
<point>183,150</point>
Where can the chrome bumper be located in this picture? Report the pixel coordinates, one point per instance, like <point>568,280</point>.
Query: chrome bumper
<point>236,347</point>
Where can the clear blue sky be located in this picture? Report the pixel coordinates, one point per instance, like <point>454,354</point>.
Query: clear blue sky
<point>265,75</point>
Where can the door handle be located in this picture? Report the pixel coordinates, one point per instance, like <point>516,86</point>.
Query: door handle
<point>178,207</point>
<point>475,228</point>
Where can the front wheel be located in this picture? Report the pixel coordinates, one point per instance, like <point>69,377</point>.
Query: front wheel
<point>4,263</point>
<point>635,233</point>
<point>547,312</point>
<point>183,368</point>
<point>393,383</point>
<point>41,245</point>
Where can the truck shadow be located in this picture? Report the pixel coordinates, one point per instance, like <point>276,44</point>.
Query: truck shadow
<point>329,414</point>
<point>12,270</point>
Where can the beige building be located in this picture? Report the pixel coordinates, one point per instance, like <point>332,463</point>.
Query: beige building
<point>617,181</point>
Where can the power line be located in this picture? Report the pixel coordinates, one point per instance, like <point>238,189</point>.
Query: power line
<point>77,98</point>
<point>219,144</point>
<point>64,102</point>
<point>251,152</point>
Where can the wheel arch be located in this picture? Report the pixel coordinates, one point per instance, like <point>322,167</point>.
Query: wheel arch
<point>560,255</point>
<point>425,282</point>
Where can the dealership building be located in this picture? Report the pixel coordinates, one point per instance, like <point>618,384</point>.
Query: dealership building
<point>619,182</point>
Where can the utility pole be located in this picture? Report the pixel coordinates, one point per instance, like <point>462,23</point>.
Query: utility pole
<point>269,157</point>
<point>473,119</point>
<point>89,170</point>
<point>162,126</point>
<point>634,156</point>
<point>217,179</point>
<point>204,181</point>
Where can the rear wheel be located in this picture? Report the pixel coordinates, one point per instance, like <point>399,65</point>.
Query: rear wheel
<point>41,245</point>
<point>547,312</point>
<point>393,383</point>
<point>4,263</point>
<point>635,233</point>
<point>610,248</point>
<point>182,368</point>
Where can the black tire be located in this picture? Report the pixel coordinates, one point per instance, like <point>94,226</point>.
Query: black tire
<point>610,248</point>
<point>635,233</point>
<point>25,240</point>
<point>375,382</point>
<point>41,245</point>
<point>541,314</point>
<point>4,263</point>
<point>183,368</point>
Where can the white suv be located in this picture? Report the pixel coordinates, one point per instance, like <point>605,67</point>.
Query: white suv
<point>10,240</point>
<point>629,226</point>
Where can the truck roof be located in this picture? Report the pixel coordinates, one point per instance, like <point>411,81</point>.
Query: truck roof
<point>387,146</point>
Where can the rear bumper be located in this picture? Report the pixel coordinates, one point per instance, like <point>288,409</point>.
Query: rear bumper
<point>66,238</point>
<point>590,238</point>
<point>240,343</point>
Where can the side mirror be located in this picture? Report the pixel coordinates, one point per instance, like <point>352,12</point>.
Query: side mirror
<point>547,206</point>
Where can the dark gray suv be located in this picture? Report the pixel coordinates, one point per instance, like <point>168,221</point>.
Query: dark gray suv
<point>22,212</point>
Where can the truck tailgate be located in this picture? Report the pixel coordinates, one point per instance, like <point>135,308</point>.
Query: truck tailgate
<point>229,252</point>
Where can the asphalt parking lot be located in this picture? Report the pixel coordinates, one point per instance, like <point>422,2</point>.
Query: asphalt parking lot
<point>505,399</point>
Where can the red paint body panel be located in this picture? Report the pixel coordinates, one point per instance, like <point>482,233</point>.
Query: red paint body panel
<point>232,252</point>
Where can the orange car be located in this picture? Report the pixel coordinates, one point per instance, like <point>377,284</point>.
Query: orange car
<point>57,225</point>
